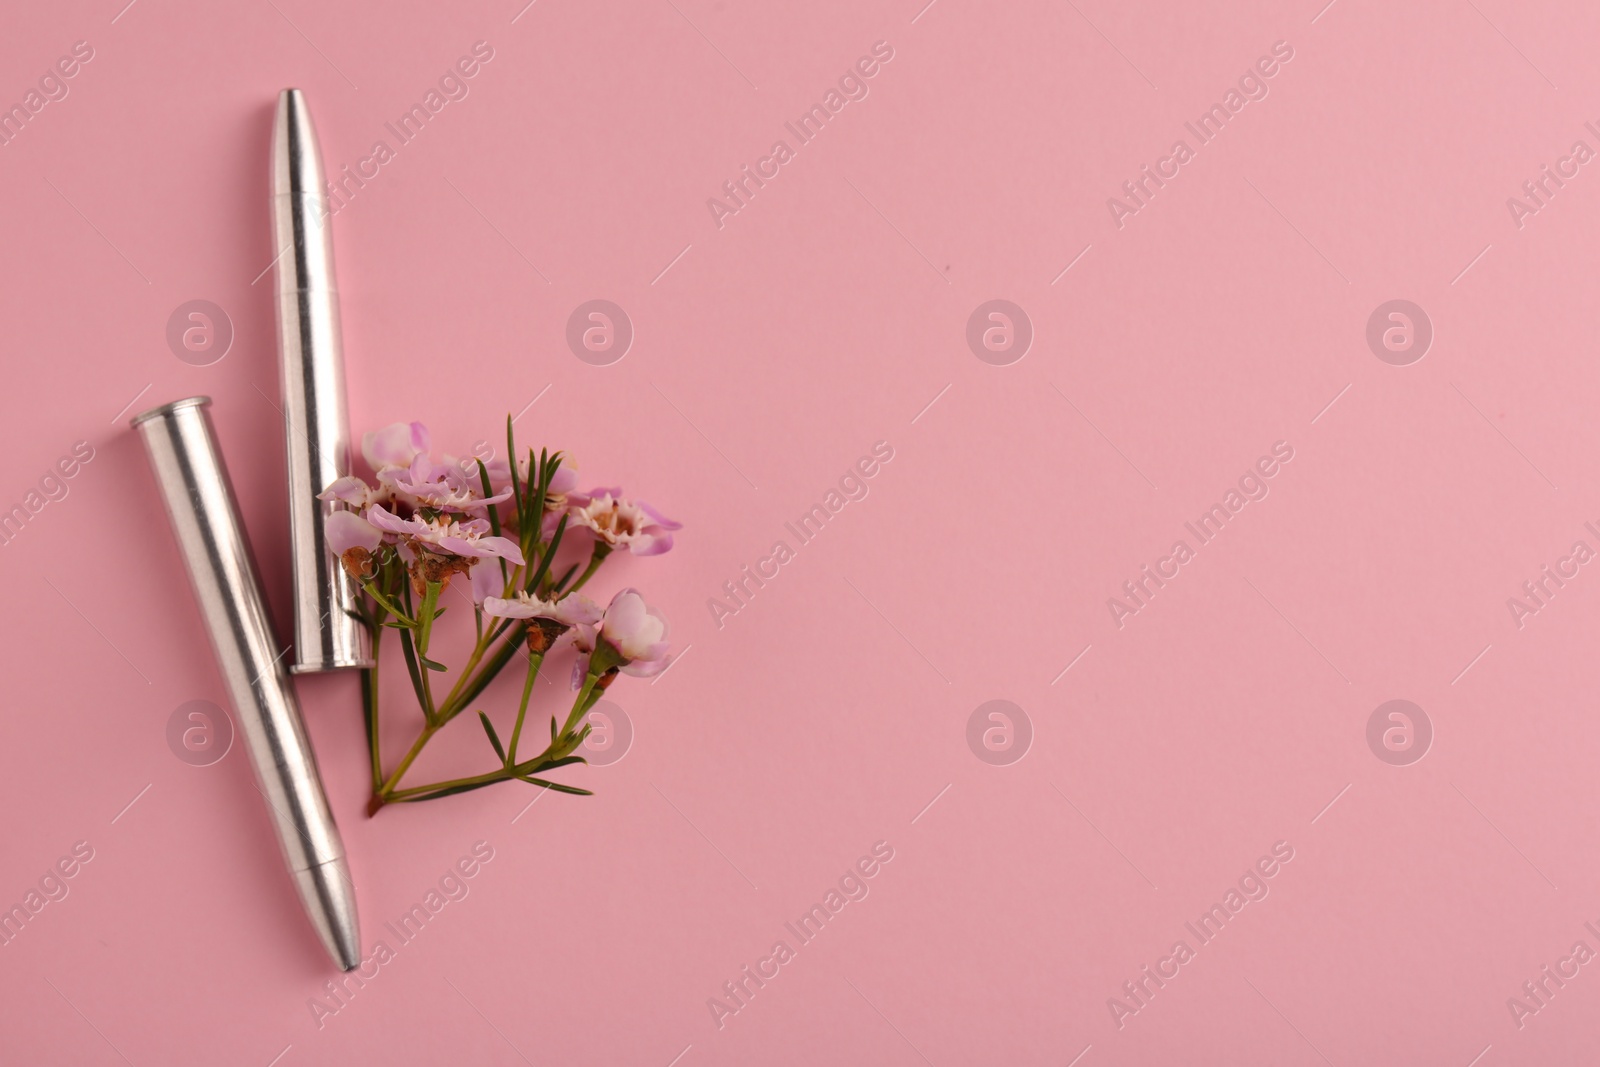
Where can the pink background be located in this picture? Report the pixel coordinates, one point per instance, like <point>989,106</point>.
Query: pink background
<point>825,316</point>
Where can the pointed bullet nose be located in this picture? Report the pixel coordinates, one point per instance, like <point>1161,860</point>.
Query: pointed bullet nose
<point>296,158</point>
<point>300,207</point>
<point>330,901</point>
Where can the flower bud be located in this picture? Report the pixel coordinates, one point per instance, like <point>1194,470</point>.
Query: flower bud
<point>357,563</point>
<point>430,569</point>
<point>542,633</point>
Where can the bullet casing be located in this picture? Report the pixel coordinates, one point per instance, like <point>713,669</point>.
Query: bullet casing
<point>198,495</point>
<point>311,365</point>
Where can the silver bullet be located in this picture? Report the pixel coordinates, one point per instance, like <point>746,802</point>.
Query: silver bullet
<point>194,485</point>
<point>311,365</point>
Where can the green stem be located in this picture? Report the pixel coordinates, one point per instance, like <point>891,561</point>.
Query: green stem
<point>521,772</point>
<point>535,660</point>
<point>369,696</point>
<point>386,791</point>
<point>461,784</point>
<point>450,700</point>
<point>418,682</point>
<point>469,686</point>
<point>596,557</point>
<point>490,670</point>
<point>454,700</point>
<point>587,697</point>
<point>547,555</point>
<point>559,749</point>
<point>430,600</point>
<point>386,604</point>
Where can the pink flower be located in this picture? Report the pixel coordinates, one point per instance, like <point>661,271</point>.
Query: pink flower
<point>632,637</point>
<point>571,618</point>
<point>563,481</point>
<point>487,581</point>
<point>347,530</point>
<point>447,528</point>
<point>574,610</point>
<point>354,491</point>
<point>563,484</point>
<point>447,535</point>
<point>621,523</point>
<point>399,456</point>
<point>396,445</point>
<point>446,486</point>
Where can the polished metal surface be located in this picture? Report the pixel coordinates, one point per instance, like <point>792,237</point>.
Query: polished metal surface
<point>199,500</point>
<point>311,368</point>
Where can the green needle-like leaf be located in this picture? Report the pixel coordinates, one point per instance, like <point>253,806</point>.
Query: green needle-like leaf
<point>466,787</point>
<point>516,481</point>
<point>494,516</point>
<point>387,604</point>
<point>408,647</point>
<point>550,765</point>
<point>494,520</point>
<point>494,739</point>
<point>565,578</point>
<point>557,786</point>
<point>549,554</point>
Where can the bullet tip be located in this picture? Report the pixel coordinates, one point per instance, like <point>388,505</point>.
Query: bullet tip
<point>330,902</point>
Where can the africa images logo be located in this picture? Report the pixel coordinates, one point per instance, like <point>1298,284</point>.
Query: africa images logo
<point>738,992</point>
<point>1252,85</point>
<point>1252,887</point>
<point>1252,486</point>
<point>852,87</point>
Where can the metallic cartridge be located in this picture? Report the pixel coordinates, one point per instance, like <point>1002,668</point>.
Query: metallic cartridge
<point>311,366</point>
<point>194,485</point>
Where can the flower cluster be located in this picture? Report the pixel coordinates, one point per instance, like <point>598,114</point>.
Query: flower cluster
<point>421,508</point>
<point>500,523</point>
